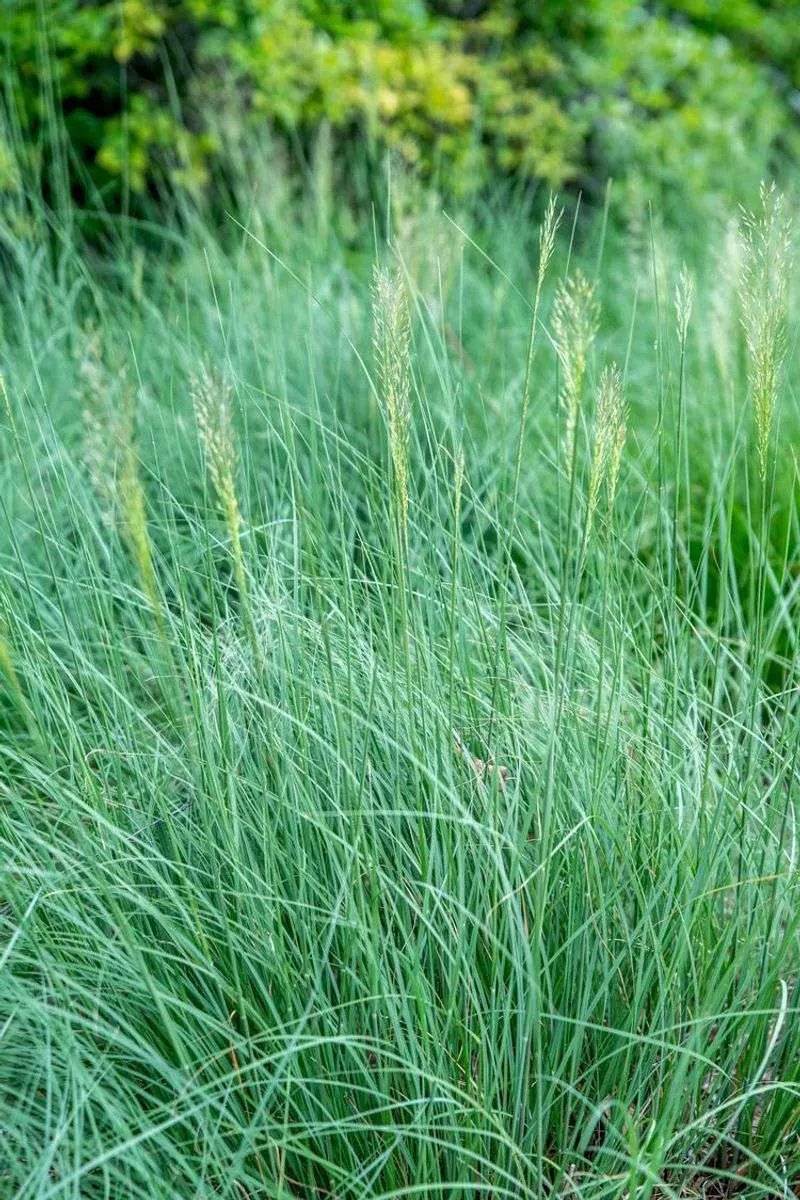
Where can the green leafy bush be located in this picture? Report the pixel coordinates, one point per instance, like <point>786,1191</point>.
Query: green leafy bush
<point>687,95</point>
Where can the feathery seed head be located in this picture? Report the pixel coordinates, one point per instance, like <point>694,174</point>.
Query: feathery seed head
<point>763,286</point>
<point>620,432</point>
<point>576,319</point>
<point>684,300</point>
<point>430,247</point>
<point>609,438</point>
<point>459,470</point>
<point>458,482</point>
<point>100,423</point>
<point>547,241</point>
<point>212,395</point>
<point>391,338</point>
<point>109,449</point>
<point>131,500</point>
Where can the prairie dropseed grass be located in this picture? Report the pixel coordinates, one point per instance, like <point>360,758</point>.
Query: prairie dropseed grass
<point>486,882</point>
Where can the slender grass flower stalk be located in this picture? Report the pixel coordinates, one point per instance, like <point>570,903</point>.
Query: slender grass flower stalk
<point>111,457</point>
<point>576,318</point>
<point>547,245</point>
<point>392,344</point>
<point>100,442</point>
<point>620,433</point>
<point>212,395</point>
<point>458,491</point>
<point>609,440</point>
<point>684,302</point>
<point>763,287</point>
<point>547,242</point>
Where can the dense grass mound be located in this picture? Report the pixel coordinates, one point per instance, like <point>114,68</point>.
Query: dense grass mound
<point>399,716</point>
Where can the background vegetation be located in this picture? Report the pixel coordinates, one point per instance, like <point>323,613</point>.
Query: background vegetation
<point>681,99</point>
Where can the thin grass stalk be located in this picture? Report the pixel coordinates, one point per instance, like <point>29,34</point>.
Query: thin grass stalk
<point>458,484</point>
<point>391,339</point>
<point>763,288</point>
<point>111,456</point>
<point>547,241</point>
<point>212,395</point>
<point>684,299</point>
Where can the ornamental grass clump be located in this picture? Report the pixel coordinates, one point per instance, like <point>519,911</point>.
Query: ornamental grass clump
<point>486,885</point>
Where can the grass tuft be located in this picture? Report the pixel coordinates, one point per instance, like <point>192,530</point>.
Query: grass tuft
<point>405,823</point>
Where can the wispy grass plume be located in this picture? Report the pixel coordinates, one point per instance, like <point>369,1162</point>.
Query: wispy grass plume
<point>576,318</point>
<point>132,507</point>
<point>684,302</point>
<point>391,339</point>
<point>610,423</point>
<point>212,395</point>
<point>112,460</point>
<point>763,289</point>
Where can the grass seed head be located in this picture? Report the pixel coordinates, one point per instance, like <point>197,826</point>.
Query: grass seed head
<point>391,337</point>
<point>684,302</point>
<point>131,500</point>
<point>763,288</point>
<point>547,242</point>
<point>212,396</point>
<point>609,439</point>
<point>112,460</point>
<point>576,319</point>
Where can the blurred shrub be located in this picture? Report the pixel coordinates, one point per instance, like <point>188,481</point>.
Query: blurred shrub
<point>677,105</point>
<point>690,96</point>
